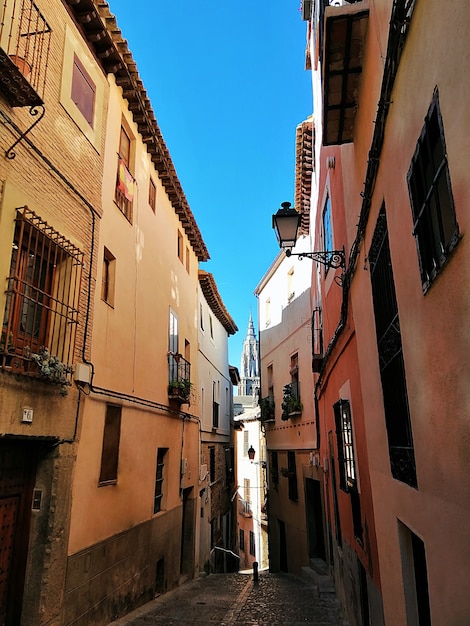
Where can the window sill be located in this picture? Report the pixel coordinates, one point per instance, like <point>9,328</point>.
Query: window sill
<point>107,483</point>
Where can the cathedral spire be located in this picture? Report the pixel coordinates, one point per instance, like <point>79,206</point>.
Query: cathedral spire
<point>249,368</point>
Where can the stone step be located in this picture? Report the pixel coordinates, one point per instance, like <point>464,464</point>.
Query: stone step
<point>323,582</point>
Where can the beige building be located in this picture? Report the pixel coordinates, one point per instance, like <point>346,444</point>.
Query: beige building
<point>99,252</point>
<point>136,482</point>
<point>217,486</point>
<point>49,221</point>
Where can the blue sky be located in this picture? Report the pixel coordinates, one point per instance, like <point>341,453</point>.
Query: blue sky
<point>228,87</point>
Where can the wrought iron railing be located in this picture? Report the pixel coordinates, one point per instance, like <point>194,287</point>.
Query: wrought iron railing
<point>25,39</point>
<point>179,378</point>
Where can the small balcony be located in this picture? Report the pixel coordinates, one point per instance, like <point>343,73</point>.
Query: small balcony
<point>244,508</point>
<point>24,51</point>
<point>291,404</point>
<point>343,28</point>
<point>179,379</point>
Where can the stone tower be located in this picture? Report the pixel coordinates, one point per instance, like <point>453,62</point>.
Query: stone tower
<point>249,368</point>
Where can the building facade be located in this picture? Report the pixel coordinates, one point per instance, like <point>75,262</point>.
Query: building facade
<point>391,188</point>
<point>49,225</point>
<point>217,481</point>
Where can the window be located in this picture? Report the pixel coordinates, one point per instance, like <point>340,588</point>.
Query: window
<point>252,543</point>
<point>211,326</point>
<point>152,195</point>
<point>83,90</point>
<point>201,317</point>
<point>391,363</point>
<point>179,367</point>
<point>108,277</point>
<point>246,490</point>
<point>180,247</point>
<point>327,229</point>
<point>242,540</point>
<point>245,443</point>
<point>290,285</point>
<point>344,438</point>
<point>268,311</point>
<point>215,405</point>
<point>187,260</point>
<point>292,476</point>
<point>434,221</point>
<point>125,181</point>
<point>317,339</point>
<point>212,463</point>
<point>159,478</point>
<point>42,291</point>
<point>274,468</point>
<point>110,451</point>
<point>414,570</point>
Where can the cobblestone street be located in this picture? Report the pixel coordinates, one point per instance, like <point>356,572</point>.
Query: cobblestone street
<point>235,600</point>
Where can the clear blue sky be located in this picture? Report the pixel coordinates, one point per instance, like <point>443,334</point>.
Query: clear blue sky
<point>228,87</point>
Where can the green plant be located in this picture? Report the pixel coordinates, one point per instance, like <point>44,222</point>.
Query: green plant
<point>290,403</point>
<point>267,409</point>
<point>181,388</point>
<point>52,370</point>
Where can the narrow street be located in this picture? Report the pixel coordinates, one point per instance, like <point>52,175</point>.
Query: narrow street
<point>235,600</point>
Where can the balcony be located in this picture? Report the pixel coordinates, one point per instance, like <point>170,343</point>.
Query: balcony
<point>24,51</point>
<point>244,508</point>
<point>291,404</point>
<point>343,28</point>
<point>179,379</point>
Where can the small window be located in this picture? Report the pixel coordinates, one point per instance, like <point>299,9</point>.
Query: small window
<point>242,540</point>
<point>212,464</point>
<point>124,181</point>
<point>159,479</point>
<point>246,490</point>
<point>252,543</point>
<point>187,260</point>
<point>108,277</point>
<point>274,468</point>
<point>180,247</point>
<point>327,229</point>
<point>110,451</point>
<point>201,317</point>
<point>245,443</point>
<point>292,476</point>
<point>290,285</point>
<point>211,326</point>
<point>268,311</point>
<point>434,221</point>
<point>83,90</point>
<point>152,195</point>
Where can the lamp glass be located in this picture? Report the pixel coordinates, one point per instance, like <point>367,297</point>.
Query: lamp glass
<point>286,223</point>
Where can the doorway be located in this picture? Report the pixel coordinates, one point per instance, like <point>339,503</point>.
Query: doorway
<point>17,476</point>
<point>314,512</point>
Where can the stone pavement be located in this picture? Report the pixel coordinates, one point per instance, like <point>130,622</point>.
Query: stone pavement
<point>235,600</point>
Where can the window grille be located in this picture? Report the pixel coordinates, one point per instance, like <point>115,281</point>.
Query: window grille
<point>347,469</point>
<point>157,506</point>
<point>42,295</point>
<point>391,363</point>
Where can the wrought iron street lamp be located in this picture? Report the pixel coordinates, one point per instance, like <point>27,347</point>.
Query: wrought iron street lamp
<point>286,223</point>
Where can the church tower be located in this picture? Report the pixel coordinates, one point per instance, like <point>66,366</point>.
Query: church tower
<point>249,368</point>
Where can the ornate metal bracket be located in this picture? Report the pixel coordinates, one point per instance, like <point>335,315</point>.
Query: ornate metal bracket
<point>37,109</point>
<point>328,258</point>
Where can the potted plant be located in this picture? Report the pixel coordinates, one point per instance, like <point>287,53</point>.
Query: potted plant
<point>180,390</point>
<point>291,404</point>
<point>52,370</point>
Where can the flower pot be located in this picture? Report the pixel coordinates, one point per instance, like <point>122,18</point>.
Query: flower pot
<point>22,64</point>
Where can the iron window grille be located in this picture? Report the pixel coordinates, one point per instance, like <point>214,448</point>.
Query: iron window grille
<point>42,295</point>
<point>391,363</point>
<point>435,225</point>
<point>124,193</point>
<point>317,339</point>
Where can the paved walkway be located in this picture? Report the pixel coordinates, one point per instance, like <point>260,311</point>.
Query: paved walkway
<point>235,600</point>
